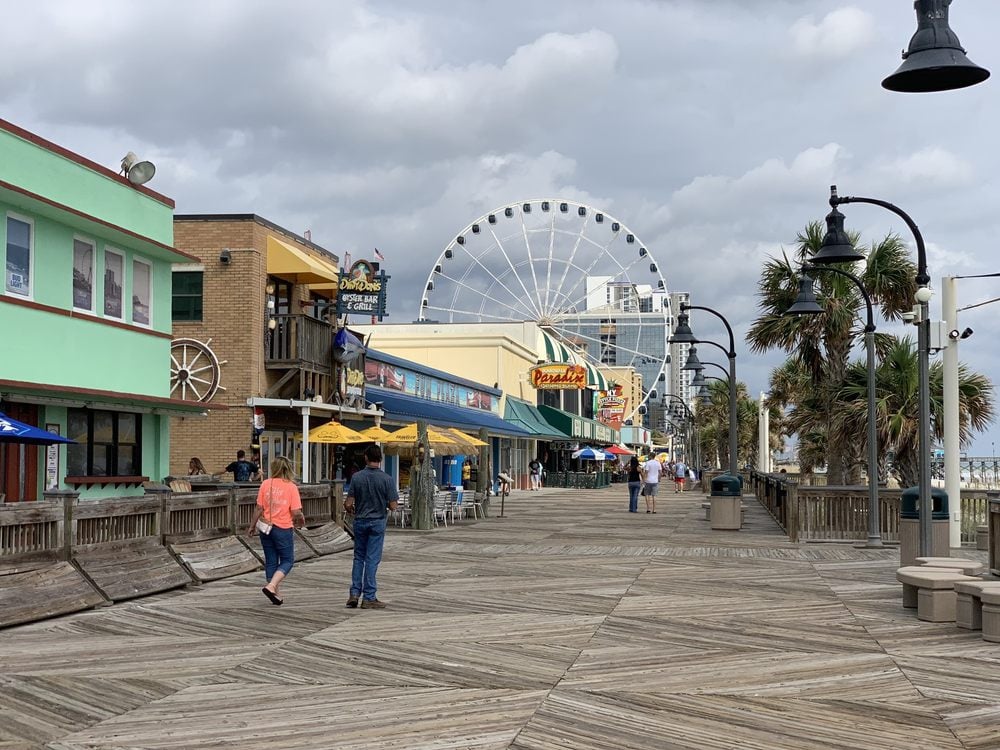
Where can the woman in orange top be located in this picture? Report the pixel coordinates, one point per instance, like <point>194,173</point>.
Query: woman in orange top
<point>279,508</point>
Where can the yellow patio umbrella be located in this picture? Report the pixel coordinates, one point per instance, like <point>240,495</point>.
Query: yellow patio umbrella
<point>407,436</point>
<point>376,434</point>
<point>335,432</point>
<point>465,440</point>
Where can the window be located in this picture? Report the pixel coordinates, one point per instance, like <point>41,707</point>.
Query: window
<point>18,269</point>
<point>186,297</point>
<point>108,443</point>
<point>142,291</point>
<point>83,275</point>
<point>114,282</point>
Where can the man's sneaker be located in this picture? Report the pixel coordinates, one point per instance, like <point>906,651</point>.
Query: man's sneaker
<point>352,602</point>
<point>372,604</point>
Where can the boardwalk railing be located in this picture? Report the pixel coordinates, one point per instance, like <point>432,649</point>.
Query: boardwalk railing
<point>61,525</point>
<point>994,531</point>
<point>826,513</point>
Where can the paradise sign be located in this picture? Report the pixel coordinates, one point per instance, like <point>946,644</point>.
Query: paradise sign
<point>559,377</point>
<point>361,290</point>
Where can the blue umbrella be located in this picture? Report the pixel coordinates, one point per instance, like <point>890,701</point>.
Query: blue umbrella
<point>590,453</point>
<point>12,431</point>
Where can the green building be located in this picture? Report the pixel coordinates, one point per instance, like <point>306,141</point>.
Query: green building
<point>85,315</point>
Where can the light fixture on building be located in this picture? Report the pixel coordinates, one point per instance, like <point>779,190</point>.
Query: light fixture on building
<point>225,257</point>
<point>269,288</point>
<point>135,171</point>
<point>272,324</point>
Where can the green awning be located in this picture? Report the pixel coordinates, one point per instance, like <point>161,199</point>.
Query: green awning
<point>580,428</point>
<point>525,415</point>
<point>556,351</point>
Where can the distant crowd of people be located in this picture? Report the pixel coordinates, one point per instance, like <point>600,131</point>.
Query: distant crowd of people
<point>644,480</point>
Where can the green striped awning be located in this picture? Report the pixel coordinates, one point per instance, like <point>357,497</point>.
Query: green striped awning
<point>556,351</point>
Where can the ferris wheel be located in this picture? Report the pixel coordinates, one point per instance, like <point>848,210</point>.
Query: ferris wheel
<point>587,279</point>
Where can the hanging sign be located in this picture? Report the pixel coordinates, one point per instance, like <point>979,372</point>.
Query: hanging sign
<point>611,407</point>
<point>558,377</point>
<point>52,460</point>
<point>362,290</point>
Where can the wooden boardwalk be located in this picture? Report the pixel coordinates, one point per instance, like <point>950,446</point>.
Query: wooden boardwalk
<point>569,624</point>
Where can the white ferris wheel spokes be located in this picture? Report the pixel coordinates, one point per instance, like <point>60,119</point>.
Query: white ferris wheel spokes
<point>575,270</point>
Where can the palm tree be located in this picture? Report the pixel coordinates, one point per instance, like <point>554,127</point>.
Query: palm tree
<point>713,423</point>
<point>896,405</point>
<point>822,343</point>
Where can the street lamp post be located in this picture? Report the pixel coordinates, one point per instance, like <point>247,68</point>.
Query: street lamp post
<point>683,335</point>
<point>837,248</point>
<point>806,304</point>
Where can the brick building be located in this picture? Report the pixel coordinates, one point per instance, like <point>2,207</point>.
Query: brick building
<point>250,323</point>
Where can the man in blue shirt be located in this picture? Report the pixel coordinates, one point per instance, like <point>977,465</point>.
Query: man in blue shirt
<point>371,496</point>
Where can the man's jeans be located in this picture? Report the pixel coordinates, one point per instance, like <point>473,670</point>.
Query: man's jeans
<point>369,534</point>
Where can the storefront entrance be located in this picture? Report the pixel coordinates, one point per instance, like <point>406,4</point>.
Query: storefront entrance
<point>19,462</point>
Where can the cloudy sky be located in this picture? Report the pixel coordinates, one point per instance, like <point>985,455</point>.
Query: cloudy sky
<point>713,128</point>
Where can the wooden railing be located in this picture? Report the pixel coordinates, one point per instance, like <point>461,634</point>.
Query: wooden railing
<point>298,339</point>
<point>821,513</point>
<point>62,524</point>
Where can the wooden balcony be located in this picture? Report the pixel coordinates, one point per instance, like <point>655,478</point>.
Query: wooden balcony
<point>302,347</point>
<point>300,341</point>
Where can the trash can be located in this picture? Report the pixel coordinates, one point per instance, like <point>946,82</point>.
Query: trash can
<point>726,511</point>
<point>909,525</point>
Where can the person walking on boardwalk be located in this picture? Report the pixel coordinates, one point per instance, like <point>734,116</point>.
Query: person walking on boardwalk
<point>535,473</point>
<point>372,494</point>
<point>634,483</point>
<point>279,509</point>
<point>651,471</point>
<point>680,475</point>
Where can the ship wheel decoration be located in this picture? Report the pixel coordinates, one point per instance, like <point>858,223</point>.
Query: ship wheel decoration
<point>195,371</point>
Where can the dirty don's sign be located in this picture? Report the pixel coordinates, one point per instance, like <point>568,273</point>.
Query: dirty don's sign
<point>362,290</point>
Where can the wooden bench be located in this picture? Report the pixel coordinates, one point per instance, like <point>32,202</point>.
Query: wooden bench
<point>931,590</point>
<point>969,604</point>
<point>125,570</point>
<point>327,539</point>
<point>212,559</point>
<point>991,615</point>
<point>35,591</point>
<point>967,567</point>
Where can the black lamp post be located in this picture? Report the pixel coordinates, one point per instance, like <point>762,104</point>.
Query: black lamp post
<point>806,304</point>
<point>935,59</point>
<point>683,335</point>
<point>837,248</point>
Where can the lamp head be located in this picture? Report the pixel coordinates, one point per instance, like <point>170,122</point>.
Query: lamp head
<point>837,246</point>
<point>137,172</point>
<point>693,363</point>
<point>935,59</point>
<point>698,381</point>
<point>682,333</point>
<point>805,303</point>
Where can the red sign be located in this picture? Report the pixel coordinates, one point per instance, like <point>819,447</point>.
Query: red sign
<point>611,407</point>
<point>559,377</point>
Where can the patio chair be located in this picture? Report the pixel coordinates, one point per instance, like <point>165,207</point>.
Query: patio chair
<point>441,509</point>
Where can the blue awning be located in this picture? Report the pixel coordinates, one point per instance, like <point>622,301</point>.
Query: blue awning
<point>400,407</point>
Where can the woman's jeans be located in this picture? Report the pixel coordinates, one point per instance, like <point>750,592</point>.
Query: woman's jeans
<point>369,534</point>
<point>279,551</point>
<point>633,496</point>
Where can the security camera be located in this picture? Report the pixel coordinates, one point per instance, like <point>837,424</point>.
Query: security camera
<point>955,334</point>
<point>908,316</point>
<point>966,333</point>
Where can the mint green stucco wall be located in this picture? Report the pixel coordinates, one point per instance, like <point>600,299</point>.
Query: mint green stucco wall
<point>51,348</point>
<point>39,170</point>
<point>55,349</point>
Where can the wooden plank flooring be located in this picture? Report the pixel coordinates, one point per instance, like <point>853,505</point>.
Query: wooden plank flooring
<point>567,624</point>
